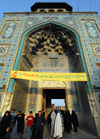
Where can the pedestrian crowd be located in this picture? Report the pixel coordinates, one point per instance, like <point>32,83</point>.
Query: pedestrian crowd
<point>12,125</point>
<point>62,121</point>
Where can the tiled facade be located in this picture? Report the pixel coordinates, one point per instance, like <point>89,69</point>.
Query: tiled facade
<point>14,25</point>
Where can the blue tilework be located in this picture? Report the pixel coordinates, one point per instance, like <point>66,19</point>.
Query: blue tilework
<point>91,30</point>
<point>32,22</point>
<point>26,64</point>
<point>53,61</point>
<point>9,30</point>
<point>62,18</point>
<point>91,60</point>
<point>4,50</point>
<point>10,56</point>
<point>11,85</point>
<point>32,96</point>
<point>75,97</point>
<point>55,70</point>
<point>95,49</point>
<point>21,91</point>
<point>39,15</point>
<point>1,67</point>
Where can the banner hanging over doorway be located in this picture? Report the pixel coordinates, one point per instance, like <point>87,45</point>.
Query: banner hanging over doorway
<point>42,76</point>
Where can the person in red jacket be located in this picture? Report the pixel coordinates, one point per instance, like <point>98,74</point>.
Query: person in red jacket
<point>28,124</point>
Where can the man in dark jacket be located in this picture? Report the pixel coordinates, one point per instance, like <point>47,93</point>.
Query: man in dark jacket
<point>39,126</point>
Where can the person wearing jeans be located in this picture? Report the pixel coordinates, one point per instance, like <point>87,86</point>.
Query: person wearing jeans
<point>28,124</point>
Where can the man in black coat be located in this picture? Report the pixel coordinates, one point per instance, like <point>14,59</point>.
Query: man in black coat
<point>39,126</point>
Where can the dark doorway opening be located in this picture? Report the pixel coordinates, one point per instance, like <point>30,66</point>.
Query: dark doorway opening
<point>48,95</point>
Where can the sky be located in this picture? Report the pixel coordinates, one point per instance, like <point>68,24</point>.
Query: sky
<point>58,102</point>
<point>24,5</point>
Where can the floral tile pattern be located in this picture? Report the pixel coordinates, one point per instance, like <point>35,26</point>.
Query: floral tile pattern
<point>4,50</point>
<point>9,31</point>
<point>95,49</point>
<point>91,29</point>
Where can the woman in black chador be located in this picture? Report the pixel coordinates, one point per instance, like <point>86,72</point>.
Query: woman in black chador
<point>67,121</point>
<point>74,121</point>
<point>19,126</point>
<point>4,125</point>
<point>49,119</point>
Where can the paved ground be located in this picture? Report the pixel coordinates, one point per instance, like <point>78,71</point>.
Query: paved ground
<point>83,133</point>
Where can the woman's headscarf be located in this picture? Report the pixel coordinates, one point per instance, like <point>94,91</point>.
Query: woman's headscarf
<point>6,117</point>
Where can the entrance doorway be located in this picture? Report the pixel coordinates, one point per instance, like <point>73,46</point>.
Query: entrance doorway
<point>48,95</point>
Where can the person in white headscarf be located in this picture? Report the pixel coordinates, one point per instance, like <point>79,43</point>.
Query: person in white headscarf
<point>58,126</point>
<point>53,116</point>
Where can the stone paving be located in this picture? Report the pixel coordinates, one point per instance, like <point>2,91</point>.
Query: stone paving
<point>83,133</point>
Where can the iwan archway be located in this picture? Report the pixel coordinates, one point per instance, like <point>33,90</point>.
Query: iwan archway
<point>29,95</point>
<point>65,56</point>
<point>22,43</point>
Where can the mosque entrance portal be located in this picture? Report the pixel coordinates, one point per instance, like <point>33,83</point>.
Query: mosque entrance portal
<point>48,95</point>
<point>51,48</point>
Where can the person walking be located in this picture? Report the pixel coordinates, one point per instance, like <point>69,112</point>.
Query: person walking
<point>33,125</point>
<point>13,114</point>
<point>74,120</point>
<point>28,125</point>
<point>43,113</point>
<point>67,121</point>
<point>39,126</point>
<point>4,125</point>
<point>19,126</point>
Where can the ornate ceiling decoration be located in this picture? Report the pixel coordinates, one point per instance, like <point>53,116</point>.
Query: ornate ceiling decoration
<point>51,38</point>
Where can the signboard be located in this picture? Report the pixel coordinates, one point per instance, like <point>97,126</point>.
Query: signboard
<point>42,76</point>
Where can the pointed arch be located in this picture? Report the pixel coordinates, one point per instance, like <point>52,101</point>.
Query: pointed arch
<point>16,65</point>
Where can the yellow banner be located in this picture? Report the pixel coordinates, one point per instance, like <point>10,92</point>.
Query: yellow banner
<point>42,76</point>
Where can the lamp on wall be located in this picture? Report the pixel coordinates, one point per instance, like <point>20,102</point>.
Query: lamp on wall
<point>24,54</point>
<point>77,54</point>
